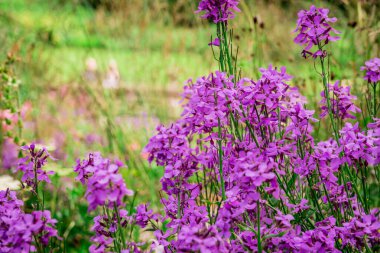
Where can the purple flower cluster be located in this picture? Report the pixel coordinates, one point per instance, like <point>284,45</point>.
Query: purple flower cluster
<point>374,133</point>
<point>265,134</point>
<point>218,10</point>
<point>21,232</point>
<point>144,215</point>
<point>359,147</point>
<point>372,68</point>
<point>106,189</point>
<point>314,29</point>
<point>105,185</point>
<point>31,166</point>
<point>342,102</point>
<point>105,229</point>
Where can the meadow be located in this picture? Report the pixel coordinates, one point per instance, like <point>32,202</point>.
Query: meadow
<point>149,126</point>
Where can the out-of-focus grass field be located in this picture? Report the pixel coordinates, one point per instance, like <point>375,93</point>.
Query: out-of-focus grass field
<point>157,45</point>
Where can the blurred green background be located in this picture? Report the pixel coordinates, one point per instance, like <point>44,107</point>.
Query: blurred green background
<point>67,52</point>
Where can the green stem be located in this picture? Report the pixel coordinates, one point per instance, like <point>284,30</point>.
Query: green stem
<point>221,161</point>
<point>259,247</point>
<point>36,185</point>
<point>363,180</point>
<point>119,227</point>
<point>374,101</point>
<point>315,200</point>
<point>327,94</point>
<point>225,45</point>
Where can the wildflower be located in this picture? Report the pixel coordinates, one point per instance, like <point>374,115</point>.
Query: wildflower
<point>341,100</point>
<point>218,10</point>
<point>372,68</point>
<point>201,238</point>
<point>100,244</point>
<point>322,238</point>
<point>105,228</point>
<point>300,119</point>
<point>31,165</point>
<point>209,100</point>
<point>143,215</point>
<point>215,42</point>
<point>105,186</point>
<point>362,230</point>
<point>299,207</point>
<point>21,232</point>
<point>314,29</point>
<point>283,221</point>
<point>168,145</point>
<point>357,146</point>
<point>374,134</point>
<point>327,156</point>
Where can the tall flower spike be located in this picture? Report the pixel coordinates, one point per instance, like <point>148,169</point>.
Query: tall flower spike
<point>218,10</point>
<point>314,29</point>
<point>32,165</point>
<point>372,68</point>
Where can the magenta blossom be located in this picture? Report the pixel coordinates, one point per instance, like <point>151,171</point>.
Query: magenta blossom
<point>32,165</point>
<point>372,68</point>
<point>215,42</point>
<point>105,185</point>
<point>20,232</point>
<point>341,100</point>
<point>314,29</point>
<point>218,10</point>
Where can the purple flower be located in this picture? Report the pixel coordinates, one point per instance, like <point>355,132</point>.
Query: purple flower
<point>201,238</point>
<point>9,154</point>
<point>168,146</point>
<point>100,244</point>
<point>143,215</point>
<point>300,118</point>
<point>341,101</point>
<point>357,146</point>
<point>372,68</point>
<point>262,130</point>
<point>106,228</point>
<point>283,221</point>
<point>361,230</point>
<point>32,165</point>
<point>18,230</point>
<point>105,186</point>
<point>327,157</point>
<point>215,42</point>
<point>374,134</point>
<point>299,207</point>
<point>209,100</point>
<point>218,10</point>
<point>314,29</point>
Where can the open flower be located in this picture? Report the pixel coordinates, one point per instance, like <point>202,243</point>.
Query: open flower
<point>341,100</point>
<point>105,185</point>
<point>372,68</point>
<point>218,10</point>
<point>314,29</point>
<point>32,165</point>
